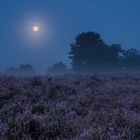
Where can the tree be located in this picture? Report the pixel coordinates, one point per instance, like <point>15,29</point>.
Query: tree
<point>24,69</point>
<point>131,59</point>
<point>59,67</point>
<point>90,52</point>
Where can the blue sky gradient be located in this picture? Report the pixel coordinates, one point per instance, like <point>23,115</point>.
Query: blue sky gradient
<point>117,21</point>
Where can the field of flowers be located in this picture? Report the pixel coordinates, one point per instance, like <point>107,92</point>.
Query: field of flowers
<point>70,107</point>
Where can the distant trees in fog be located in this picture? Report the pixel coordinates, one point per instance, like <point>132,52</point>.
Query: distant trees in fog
<point>90,53</point>
<point>59,67</point>
<point>24,69</point>
<point>131,59</point>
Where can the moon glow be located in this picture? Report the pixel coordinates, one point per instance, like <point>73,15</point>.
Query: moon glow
<point>36,28</point>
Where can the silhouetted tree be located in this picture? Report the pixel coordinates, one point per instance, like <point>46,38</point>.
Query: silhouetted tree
<point>89,53</point>
<point>59,67</point>
<point>131,59</point>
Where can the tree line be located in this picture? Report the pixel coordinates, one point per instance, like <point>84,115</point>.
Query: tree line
<point>24,69</point>
<point>90,53</point>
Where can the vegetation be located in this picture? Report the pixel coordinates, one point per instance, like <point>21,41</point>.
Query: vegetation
<point>80,107</point>
<point>24,69</point>
<point>90,53</point>
<point>58,68</point>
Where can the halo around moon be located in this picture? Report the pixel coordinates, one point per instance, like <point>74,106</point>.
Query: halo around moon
<point>35,28</point>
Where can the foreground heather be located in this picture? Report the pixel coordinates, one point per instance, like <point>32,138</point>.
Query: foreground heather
<point>70,107</point>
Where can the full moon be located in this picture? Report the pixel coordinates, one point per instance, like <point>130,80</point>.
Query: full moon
<point>36,28</point>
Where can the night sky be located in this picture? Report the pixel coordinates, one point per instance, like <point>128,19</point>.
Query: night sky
<point>118,21</point>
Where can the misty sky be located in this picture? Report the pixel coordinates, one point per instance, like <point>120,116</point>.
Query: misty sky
<point>118,21</point>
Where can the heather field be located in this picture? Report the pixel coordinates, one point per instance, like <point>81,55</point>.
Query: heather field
<point>70,107</point>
